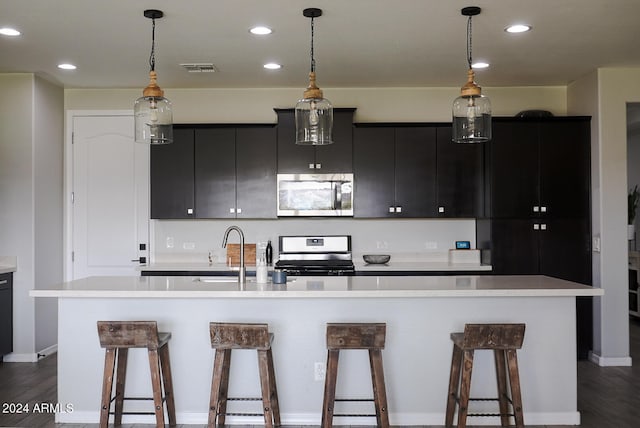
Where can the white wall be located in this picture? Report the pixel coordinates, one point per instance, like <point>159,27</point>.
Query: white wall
<point>609,92</point>
<point>30,191</point>
<point>48,144</point>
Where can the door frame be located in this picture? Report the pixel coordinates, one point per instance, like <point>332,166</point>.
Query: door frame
<point>68,182</point>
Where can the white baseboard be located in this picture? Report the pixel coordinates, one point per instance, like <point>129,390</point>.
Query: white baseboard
<point>30,357</point>
<point>609,361</point>
<point>566,418</point>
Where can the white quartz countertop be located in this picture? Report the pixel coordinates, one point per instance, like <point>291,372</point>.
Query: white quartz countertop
<point>8,264</point>
<point>318,287</point>
<point>360,266</point>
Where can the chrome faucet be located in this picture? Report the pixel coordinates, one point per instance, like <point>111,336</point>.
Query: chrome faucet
<point>242,274</point>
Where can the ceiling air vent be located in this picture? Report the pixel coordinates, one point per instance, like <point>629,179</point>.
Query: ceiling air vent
<point>200,67</point>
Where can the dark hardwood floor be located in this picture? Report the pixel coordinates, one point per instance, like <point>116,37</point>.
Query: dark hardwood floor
<point>608,397</point>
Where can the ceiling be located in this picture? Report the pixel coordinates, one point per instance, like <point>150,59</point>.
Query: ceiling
<point>358,43</point>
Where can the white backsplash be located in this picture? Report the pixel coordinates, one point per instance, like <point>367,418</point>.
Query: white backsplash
<point>190,241</point>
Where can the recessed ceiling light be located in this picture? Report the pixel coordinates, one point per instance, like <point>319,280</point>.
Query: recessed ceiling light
<point>517,28</point>
<point>260,31</point>
<point>67,66</point>
<point>272,66</point>
<point>480,65</point>
<point>9,32</point>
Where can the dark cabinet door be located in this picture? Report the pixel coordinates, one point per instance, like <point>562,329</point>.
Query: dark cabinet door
<point>172,185</point>
<point>373,171</point>
<point>514,248</point>
<point>6,314</point>
<point>415,171</point>
<point>303,159</point>
<point>215,173</point>
<point>256,172</point>
<point>565,249</point>
<point>292,158</point>
<point>514,169</point>
<point>337,157</point>
<point>460,177</point>
<point>565,169</point>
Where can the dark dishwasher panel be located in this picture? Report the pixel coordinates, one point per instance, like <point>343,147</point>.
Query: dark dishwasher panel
<point>6,314</point>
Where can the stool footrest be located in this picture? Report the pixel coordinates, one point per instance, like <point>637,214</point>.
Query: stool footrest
<point>354,415</point>
<point>244,399</point>
<point>489,414</point>
<point>244,414</point>
<point>134,413</point>
<point>354,399</point>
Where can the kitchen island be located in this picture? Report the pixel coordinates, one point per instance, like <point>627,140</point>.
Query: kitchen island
<point>420,313</point>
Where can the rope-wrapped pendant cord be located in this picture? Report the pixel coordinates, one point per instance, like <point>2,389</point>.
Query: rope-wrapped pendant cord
<point>469,42</point>
<point>152,56</point>
<point>313,60</point>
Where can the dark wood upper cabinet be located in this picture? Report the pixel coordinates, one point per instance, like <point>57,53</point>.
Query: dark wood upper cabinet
<point>256,172</point>
<point>302,159</point>
<point>172,177</point>
<point>215,171</point>
<point>460,177</point>
<point>394,171</point>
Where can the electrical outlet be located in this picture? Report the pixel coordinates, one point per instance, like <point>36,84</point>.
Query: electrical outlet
<point>189,245</point>
<point>318,371</point>
<point>169,242</point>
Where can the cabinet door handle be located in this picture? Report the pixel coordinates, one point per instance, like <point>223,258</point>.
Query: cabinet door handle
<point>543,209</point>
<point>239,211</point>
<point>189,211</point>
<point>142,260</point>
<point>440,209</point>
<point>398,209</point>
<point>232,210</point>
<point>4,281</point>
<point>312,166</point>
<point>543,226</point>
<point>318,166</point>
<point>536,209</point>
<point>392,209</point>
<point>536,226</point>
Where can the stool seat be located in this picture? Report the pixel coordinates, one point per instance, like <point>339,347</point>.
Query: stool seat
<point>224,338</point>
<point>347,336</point>
<point>504,340</point>
<point>117,337</point>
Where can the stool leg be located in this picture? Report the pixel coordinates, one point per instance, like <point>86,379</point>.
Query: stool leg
<point>263,366</point>
<point>514,380</point>
<point>224,387</point>
<point>379,390</point>
<point>107,385</point>
<point>154,366</point>
<point>121,376</point>
<point>465,387</point>
<point>216,386</point>
<point>501,375</point>
<point>167,381</point>
<point>275,404</point>
<point>331,377</point>
<point>454,384</point>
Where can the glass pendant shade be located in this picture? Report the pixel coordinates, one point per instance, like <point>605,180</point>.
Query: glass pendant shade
<point>314,121</point>
<point>153,120</point>
<point>471,119</point>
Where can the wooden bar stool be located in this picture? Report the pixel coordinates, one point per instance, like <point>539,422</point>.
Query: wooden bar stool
<point>117,337</point>
<point>370,336</point>
<point>504,340</point>
<point>224,338</point>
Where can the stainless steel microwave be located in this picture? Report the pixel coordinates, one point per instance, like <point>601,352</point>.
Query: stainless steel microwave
<point>315,194</point>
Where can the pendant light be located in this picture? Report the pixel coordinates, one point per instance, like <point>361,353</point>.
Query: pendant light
<point>152,111</point>
<point>314,114</point>
<point>471,110</point>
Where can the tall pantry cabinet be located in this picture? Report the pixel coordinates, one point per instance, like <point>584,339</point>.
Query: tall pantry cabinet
<point>538,199</point>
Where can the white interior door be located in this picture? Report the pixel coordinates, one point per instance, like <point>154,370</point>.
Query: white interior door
<point>110,185</point>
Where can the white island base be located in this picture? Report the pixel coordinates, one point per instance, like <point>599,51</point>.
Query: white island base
<point>420,313</point>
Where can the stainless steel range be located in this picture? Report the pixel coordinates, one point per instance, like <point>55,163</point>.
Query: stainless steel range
<point>315,255</point>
